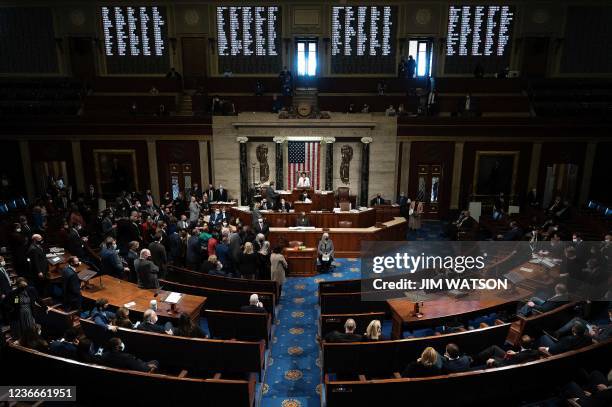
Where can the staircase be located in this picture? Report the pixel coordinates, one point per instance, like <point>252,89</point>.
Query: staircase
<point>184,106</point>
<point>307,96</point>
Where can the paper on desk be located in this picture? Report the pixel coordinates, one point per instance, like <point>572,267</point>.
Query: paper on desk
<point>173,298</point>
<point>129,304</point>
<point>526,269</point>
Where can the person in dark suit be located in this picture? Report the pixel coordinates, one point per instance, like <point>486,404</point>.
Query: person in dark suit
<point>578,339</point>
<point>221,194</point>
<point>571,269</point>
<point>302,220</point>
<point>261,227</point>
<point>193,256</point>
<point>146,270</point>
<point>75,244</point>
<point>158,254</point>
<point>67,346</point>
<point>284,206</point>
<point>599,332</point>
<point>187,328</point>
<point>378,200</point>
<point>20,307</point>
<point>254,305</point>
<point>427,365</point>
<point>271,194</point>
<point>224,256</point>
<point>131,257</point>
<point>453,361</point>
<point>71,285</point>
<point>559,298</point>
<point>595,391</point>
<point>149,324</point>
<point>117,357</point>
<point>349,334</point>
<point>111,263</point>
<point>211,192</point>
<point>101,315</point>
<point>38,268</point>
<point>248,261</point>
<point>533,200</point>
<point>494,356</point>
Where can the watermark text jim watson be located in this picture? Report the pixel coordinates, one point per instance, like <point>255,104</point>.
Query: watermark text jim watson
<point>442,284</point>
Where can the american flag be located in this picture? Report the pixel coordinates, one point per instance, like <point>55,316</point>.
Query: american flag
<point>303,156</point>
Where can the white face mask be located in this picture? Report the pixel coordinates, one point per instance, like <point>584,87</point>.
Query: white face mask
<point>2,263</point>
<point>122,347</point>
<point>575,240</point>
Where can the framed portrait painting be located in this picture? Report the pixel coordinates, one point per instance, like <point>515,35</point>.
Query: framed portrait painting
<point>116,171</point>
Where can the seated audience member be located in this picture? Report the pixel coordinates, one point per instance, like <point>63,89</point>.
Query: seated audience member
<point>146,270</point>
<point>426,365</point>
<point>349,334</point>
<point>373,331</point>
<point>117,357</point>
<point>494,356</point>
<point>100,313</point>
<point>463,223</point>
<point>187,328</point>
<point>599,333</point>
<point>212,266</point>
<point>149,324</point>
<point>578,339</point>
<point>122,319</point>
<point>550,304</point>
<point>378,200</point>
<point>30,338</point>
<point>67,346</point>
<point>514,233</point>
<point>453,361</point>
<point>302,220</point>
<point>284,206</point>
<point>594,392</point>
<point>85,351</point>
<point>254,305</point>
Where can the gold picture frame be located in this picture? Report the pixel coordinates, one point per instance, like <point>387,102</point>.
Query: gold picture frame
<point>111,170</point>
<point>505,157</point>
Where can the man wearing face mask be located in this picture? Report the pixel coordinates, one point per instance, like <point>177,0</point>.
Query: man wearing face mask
<point>221,194</point>
<point>115,356</point>
<point>326,253</point>
<point>110,261</point>
<point>261,227</point>
<point>146,271</point>
<point>37,267</point>
<point>71,285</point>
<point>75,244</point>
<point>215,218</point>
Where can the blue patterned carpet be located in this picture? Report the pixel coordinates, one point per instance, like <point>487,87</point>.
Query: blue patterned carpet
<point>293,375</point>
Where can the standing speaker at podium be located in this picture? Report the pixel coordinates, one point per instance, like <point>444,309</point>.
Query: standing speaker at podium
<point>303,181</point>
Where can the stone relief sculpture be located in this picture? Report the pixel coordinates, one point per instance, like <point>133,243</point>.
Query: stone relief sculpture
<point>262,157</point>
<point>347,155</point>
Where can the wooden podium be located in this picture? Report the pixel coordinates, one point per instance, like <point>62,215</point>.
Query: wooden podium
<point>301,262</point>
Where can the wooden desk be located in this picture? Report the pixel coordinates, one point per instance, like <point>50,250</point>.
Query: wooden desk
<point>301,262</point>
<point>321,200</point>
<point>221,205</point>
<point>55,271</point>
<point>119,292</point>
<point>386,212</point>
<point>360,219</point>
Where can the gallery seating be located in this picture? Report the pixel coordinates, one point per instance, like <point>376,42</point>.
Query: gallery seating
<point>244,326</point>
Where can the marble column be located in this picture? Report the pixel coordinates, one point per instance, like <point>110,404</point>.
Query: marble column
<point>77,159</point>
<point>365,170</point>
<point>456,180</point>
<point>589,160</point>
<point>244,171</point>
<point>204,176</point>
<point>534,167</point>
<point>153,171</point>
<point>278,151</point>
<point>26,162</point>
<point>329,163</point>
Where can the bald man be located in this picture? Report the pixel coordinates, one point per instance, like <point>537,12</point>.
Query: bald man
<point>146,270</point>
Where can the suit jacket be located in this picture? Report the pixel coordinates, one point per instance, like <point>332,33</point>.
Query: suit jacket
<point>74,244</point>
<point>110,262</point>
<point>570,342</point>
<point>263,228</point>
<point>248,264</point>
<point>460,364</point>
<point>38,261</point>
<point>159,257</point>
<point>523,356</point>
<point>221,195</point>
<point>336,336</point>
<point>377,201</point>
<point>271,194</point>
<point>326,247</point>
<point>553,302</point>
<point>234,246</point>
<point>513,234</point>
<point>123,360</point>
<point>149,327</point>
<point>253,308</point>
<point>212,194</point>
<point>194,250</point>
<point>284,208</point>
<point>63,349</point>
<point>72,288</point>
<point>147,273</point>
